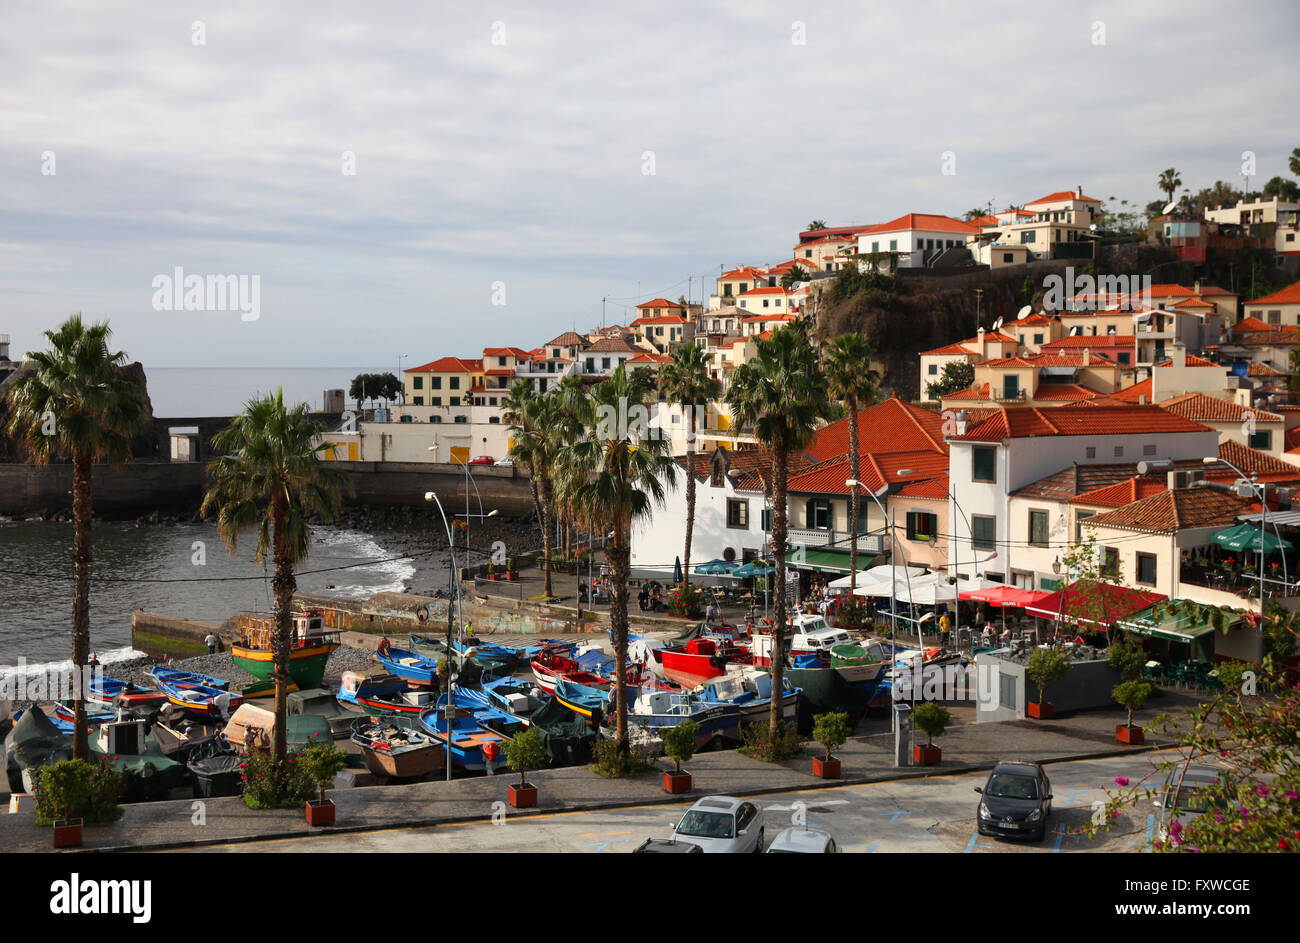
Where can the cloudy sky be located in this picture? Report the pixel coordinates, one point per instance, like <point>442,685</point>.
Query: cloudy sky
<point>508,147</point>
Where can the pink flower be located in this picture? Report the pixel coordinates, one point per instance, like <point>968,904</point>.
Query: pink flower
<point>1121,780</point>
<point>1261,791</point>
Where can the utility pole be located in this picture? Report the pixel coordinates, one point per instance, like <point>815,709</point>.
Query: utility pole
<point>979,297</point>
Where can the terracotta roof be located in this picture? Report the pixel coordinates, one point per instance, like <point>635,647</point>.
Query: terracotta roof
<point>745,271</point>
<point>975,392</point>
<point>1062,195</point>
<point>1292,438</point>
<point>567,339</point>
<point>448,365</point>
<point>1130,394</point>
<point>662,319</point>
<point>1026,422</point>
<point>749,469</point>
<point>1290,295</point>
<point>1064,391</point>
<point>926,222</point>
<point>516,352</point>
<point>961,347</point>
<point>890,424</point>
<point>766,290</point>
<point>1094,341</point>
<point>659,303</point>
<point>607,345</point>
<point>1176,510</point>
<point>650,358</point>
<point>1121,494</point>
<point>876,468</point>
<point>1269,339</point>
<point>1250,324</point>
<point>1251,461</point>
<point>1194,361</point>
<point>1204,408</point>
<point>1209,291</point>
<point>1030,319</point>
<point>500,372</point>
<point>1083,479</point>
<point>1095,358</point>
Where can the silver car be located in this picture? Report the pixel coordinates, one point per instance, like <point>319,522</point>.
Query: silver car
<point>722,825</point>
<point>802,841</point>
<point>1182,803</point>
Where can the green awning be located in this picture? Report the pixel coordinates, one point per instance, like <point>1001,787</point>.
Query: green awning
<point>1245,538</point>
<point>1158,622</point>
<point>829,561</point>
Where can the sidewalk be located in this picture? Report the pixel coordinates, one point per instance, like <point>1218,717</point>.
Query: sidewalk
<point>171,824</point>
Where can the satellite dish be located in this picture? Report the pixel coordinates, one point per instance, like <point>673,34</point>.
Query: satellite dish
<point>1074,331</point>
<point>997,324</point>
<point>1092,227</point>
<point>1169,208</point>
<point>1024,312</point>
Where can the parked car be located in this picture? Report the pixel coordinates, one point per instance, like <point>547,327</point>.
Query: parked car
<point>666,846</point>
<point>722,824</point>
<point>506,462</point>
<point>483,460</point>
<point>803,841</point>
<point>1186,801</point>
<point>1017,799</point>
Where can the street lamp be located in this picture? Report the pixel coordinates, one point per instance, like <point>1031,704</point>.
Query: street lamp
<point>451,549</point>
<point>1260,489</point>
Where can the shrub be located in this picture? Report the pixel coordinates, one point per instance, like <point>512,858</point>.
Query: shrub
<point>1126,657</point>
<point>1131,695</point>
<point>852,613</point>
<point>526,751</point>
<point>686,601</point>
<point>1045,666</point>
<point>757,742</point>
<point>77,789</point>
<point>931,718</point>
<point>615,764</point>
<point>1231,674</point>
<point>831,730</point>
<point>679,742</point>
<point>272,785</point>
<point>322,762</point>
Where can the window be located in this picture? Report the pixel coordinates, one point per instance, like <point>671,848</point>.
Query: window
<point>1027,236</point>
<point>921,526</point>
<point>737,513</point>
<point>591,364</point>
<point>453,401</point>
<point>1007,691</point>
<point>435,383</point>
<point>1110,561</point>
<point>1146,569</point>
<point>1124,358</point>
<point>817,514</point>
<point>984,463</point>
<point>604,363</point>
<point>461,419</point>
<point>1010,386</point>
<point>934,369</point>
<point>417,383</point>
<point>875,247</point>
<point>494,420</point>
<point>435,419</point>
<point>893,245</point>
<point>1148,450</point>
<point>419,401</point>
<point>501,361</point>
<point>1038,338</point>
<point>985,532</point>
<point>492,400</point>
<point>454,383</point>
<point>1119,451</point>
<point>1008,258</point>
<point>435,401</point>
<point>1261,440</point>
<point>1090,451</point>
<point>1079,518</point>
<point>1038,528</point>
<point>765,519</point>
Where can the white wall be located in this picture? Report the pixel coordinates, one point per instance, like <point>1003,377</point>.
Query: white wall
<point>659,539</point>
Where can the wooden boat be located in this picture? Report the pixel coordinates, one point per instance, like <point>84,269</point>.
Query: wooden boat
<point>176,676</point>
<point>196,693</point>
<point>700,660</point>
<point>386,694</point>
<point>547,667</point>
<point>581,699</point>
<point>265,688</point>
<point>111,691</point>
<point>516,697</point>
<point>397,747</point>
<point>749,691</point>
<point>655,710</point>
<point>408,665</point>
<point>471,747</point>
<point>66,710</point>
<point>310,647</point>
<point>859,665</point>
<point>467,702</point>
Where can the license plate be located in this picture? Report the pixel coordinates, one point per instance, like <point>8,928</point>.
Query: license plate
<point>1010,825</point>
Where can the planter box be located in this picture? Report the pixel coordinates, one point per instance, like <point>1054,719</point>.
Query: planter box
<point>826,769</point>
<point>67,834</point>
<point>522,797</point>
<point>676,783</point>
<point>320,813</point>
<point>926,756</point>
<point>1131,735</point>
<point>512,575</point>
<point>1044,711</point>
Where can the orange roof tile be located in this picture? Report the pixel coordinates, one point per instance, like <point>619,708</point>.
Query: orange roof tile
<point>926,222</point>
<point>1025,422</point>
<point>892,423</point>
<point>767,290</point>
<point>1204,408</point>
<point>1122,493</point>
<point>659,303</point>
<point>1290,295</point>
<point>1131,394</point>
<point>1062,195</point>
<point>448,365</point>
<point>1176,510</point>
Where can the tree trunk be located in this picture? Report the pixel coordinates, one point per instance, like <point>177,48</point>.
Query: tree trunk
<point>619,558</point>
<point>82,511</point>
<point>283,585</point>
<point>546,490</point>
<point>690,498</point>
<point>779,509</point>
<point>855,469</point>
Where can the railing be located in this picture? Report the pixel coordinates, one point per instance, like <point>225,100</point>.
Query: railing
<point>1241,583</point>
<point>872,543</point>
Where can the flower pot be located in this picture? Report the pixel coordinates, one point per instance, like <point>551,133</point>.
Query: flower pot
<point>1131,735</point>
<point>1044,711</point>
<point>523,797</point>
<point>677,782</point>
<point>320,813</point>
<point>512,575</point>
<point>826,769</point>
<point>926,756</point>
<point>67,833</point>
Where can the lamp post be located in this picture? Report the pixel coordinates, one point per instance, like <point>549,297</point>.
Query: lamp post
<point>974,563</point>
<point>451,549</point>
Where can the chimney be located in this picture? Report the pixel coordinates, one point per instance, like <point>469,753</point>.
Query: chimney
<point>1142,400</point>
<point>1087,356</point>
<point>963,422</point>
<point>1179,356</point>
<point>1196,286</point>
<point>1079,191</point>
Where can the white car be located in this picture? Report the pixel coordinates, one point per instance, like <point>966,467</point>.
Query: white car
<point>722,825</point>
<point>803,841</point>
<point>505,461</point>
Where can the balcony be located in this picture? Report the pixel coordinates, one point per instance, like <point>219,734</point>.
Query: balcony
<point>868,543</point>
<point>1242,582</point>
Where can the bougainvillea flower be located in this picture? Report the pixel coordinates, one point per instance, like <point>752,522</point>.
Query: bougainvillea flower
<point>1121,780</point>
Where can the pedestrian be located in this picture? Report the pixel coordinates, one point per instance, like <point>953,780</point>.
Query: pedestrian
<point>710,613</point>
<point>582,591</point>
<point>657,599</point>
<point>212,643</point>
<point>643,597</point>
<point>945,629</point>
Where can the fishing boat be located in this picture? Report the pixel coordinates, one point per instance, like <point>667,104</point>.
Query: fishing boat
<point>749,691</point>
<point>200,699</point>
<point>310,647</point>
<point>656,710</point>
<point>386,694</point>
<point>66,710</point>
<point>860,665</point>
<point>428,645</point>
<point>471,747</point>
<point>516,697</point>
<point>489,657</point>
<point>477,704</point>
<point>590,702</point>
<point>408,665</point>
<point>701,659</point>
<point>111,691</point>
<point>397,747</point>
<point>176,676</point>
<point>810,635</point>
<point>547,667</point>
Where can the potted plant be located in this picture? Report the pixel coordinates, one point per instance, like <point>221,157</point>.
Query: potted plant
<point>1131,695</point>
<point>1046,665</point>
<point>830,730</point>
<point>72,792</point>
<point>679,746</point>
<point>526,751</point>
<point>322,761</point>
<point>492,570</point>
<point>512,571</point>
<point>933,719</point>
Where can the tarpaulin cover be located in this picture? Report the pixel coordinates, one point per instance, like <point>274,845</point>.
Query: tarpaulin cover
<point>568,736</point>
<point>824,691</point>
<point>41,742</point>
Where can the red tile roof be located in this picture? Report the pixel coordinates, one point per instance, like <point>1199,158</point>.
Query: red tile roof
<point>745,271</point>
<point>1121,494</point>
<point>1251,461</point>
<point>767,290</point>
<point>1176,510</point>
<point>607,345</point>
<point>1099,340</point>
<point>661,319</point>
<point>1290,295</point>
<point>1050,392</point>
<point>1025,422</point>
<point>926,222</point>
<point>1131,394</point>
<point>891,424</point>
<point>448,365</point>
<point>567,339</point>
<point>1031,319</point>
<point>659,303</point>
<point>650,358</point>
<point>1062,195</point>
<point>1203,408</point>
<point>516,352</point>
<point>960,347</point>
<point>877,470</point>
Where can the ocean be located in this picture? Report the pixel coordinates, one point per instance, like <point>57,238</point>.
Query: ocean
<point>180,392</point>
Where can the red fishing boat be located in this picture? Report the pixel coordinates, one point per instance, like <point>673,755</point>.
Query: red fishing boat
<point>700,660</point>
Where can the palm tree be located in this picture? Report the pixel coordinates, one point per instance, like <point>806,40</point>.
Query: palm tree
<point>850,379</point>
<point>1294,162</point>
<point>782,392</point>
<point>686,380</point>
<point>1169,181</point>
<point>626,474</point>
<point>79,400</point>
<point>528,415</point>
<point>270,477</point>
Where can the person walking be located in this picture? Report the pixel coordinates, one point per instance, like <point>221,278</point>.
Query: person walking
<point>212,643</point>
<point>945,629</point>
<point>710,613</point>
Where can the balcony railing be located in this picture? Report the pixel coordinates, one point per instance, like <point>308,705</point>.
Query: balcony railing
<point>1243,582</point>
<point>872,543</point>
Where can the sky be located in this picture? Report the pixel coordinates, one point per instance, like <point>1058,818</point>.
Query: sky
<point>511,164</point>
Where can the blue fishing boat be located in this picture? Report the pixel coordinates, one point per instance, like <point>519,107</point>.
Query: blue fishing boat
<point>749,691</point>
<point>470,745</point>
<point>176,676</point>
<point>478,704</point>
<point>66,710</point>
<point>200,699</point>
<point>408,665</point>
<point>385,694</point>
<point>656,710</point>
<point>107,691</point>
<point>589,702</point>
<point>516,697</point>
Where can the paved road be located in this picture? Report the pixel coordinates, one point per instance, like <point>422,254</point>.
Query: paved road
<point>932,815</point>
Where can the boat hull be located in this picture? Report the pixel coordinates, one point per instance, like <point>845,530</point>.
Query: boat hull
<point>689,670</point>
<point>306,665</point>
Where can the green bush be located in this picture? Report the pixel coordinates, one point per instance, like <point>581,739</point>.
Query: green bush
<point>526,751</point>
<point>679,742</point>
<point>686,601</point>
<point>1126,657</point>
<point>1131,695</point>
<point>1045,666</point>
<point>757,742</point>
<point>1230,674</point>
<point>853,613</point>
<point>272,785</point>
<point>615,764</point>
<point>322,762</point>
<point>77,789</point>
<point>831,730</point>
<point>932,719</point>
